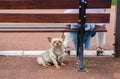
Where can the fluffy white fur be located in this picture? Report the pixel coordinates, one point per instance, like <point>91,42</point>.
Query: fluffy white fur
<point>54,55</point>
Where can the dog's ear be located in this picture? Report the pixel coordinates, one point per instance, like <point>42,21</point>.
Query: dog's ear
<point>49,39</point>
<point>63,37</point>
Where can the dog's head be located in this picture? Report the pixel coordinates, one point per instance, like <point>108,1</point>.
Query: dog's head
<point>56,42</point>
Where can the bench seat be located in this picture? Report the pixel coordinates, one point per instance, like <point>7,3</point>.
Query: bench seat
<point>45,29</point>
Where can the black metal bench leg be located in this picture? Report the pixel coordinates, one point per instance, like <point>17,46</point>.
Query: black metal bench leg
<point>81,59</point>
<point>82,15</point>
<point>80,53</point>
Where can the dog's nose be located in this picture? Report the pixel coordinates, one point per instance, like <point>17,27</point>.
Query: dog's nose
<point>57,44</point>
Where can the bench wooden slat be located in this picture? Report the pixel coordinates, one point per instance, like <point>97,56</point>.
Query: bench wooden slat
<point>36,29</point>
<point>45,29</point>
<point>98,18</point>
<point>100,29</point>
<point>51,4</point>
<point>52,18</point>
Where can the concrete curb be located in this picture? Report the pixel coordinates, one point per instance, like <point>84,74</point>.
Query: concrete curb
<point>36,53</point>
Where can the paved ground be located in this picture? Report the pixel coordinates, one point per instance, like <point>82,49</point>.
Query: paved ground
<point>27,68</point>
<point>14,67</point>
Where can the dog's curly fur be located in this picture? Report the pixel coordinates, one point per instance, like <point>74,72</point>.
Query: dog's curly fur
<point>54,55</point>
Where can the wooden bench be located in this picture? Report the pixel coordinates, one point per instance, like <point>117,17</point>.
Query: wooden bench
<point>49,17</point>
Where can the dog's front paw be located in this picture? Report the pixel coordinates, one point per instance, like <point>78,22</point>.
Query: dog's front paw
<point>58,67</point>
<point>62,64</point>
<point>46,66</point>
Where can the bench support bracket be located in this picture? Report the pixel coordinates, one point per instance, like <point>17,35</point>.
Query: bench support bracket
<point>80,49</point>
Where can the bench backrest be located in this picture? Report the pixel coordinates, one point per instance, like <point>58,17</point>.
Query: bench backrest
<point>51,17</point>
<point>18,41</point>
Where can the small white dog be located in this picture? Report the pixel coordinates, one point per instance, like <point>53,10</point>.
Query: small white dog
<point>54,55</point>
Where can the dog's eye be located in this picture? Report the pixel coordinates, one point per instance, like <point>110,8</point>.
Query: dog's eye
<point>59,41</point>
<point>54,42</point>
